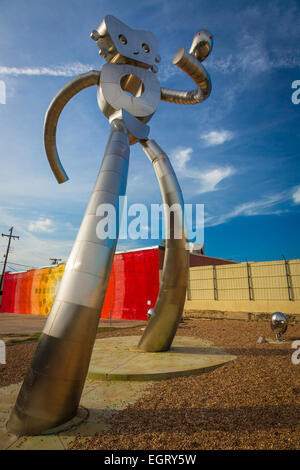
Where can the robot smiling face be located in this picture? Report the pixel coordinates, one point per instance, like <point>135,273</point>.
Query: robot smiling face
<point>120,44</point>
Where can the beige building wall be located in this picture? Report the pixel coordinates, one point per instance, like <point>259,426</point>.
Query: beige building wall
<point>245,289</point>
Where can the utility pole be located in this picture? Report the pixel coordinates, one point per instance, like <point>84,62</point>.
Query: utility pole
<point>10,236</point>
<point>55,260</point>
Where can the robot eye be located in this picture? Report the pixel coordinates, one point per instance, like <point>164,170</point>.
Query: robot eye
<point>146,47</point>
<point>122,39</point>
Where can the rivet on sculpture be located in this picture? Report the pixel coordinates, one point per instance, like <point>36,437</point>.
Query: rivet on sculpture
<point>52,388</point>
<point>279,324</point>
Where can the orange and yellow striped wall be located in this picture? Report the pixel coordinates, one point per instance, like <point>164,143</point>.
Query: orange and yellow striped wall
<point>31,292</point>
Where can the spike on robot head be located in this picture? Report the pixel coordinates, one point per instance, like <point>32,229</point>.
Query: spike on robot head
<point>120,44</point>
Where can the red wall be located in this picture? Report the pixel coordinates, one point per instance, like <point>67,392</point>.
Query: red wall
<point>134,280</point>
<point>8,297</point>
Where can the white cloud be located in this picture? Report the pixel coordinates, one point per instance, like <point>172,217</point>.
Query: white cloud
<point>296,195</point>
<point>181,156</point>
<point>254,58</point>
<point>167,70</point>
<point>263,206</point>
<point>217,137</point>
<point>42,225</point>
<point>33,249</point>
<point>211,178</point>
<point>205,180</point>
<point>66,70</point>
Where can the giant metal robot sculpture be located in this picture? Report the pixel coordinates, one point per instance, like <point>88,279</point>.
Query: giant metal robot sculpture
<point>128,95</point>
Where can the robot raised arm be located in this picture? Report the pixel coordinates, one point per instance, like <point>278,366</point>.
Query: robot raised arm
<point>189,63</point>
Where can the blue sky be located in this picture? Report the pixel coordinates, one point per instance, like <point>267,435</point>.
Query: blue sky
<point>237,152</point>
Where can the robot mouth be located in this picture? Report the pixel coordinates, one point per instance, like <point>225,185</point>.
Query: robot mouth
<point>135,53</point>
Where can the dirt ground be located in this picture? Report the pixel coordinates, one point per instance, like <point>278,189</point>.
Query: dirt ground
<point>250,403</point>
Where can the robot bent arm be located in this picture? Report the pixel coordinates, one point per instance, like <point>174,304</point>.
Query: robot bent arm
<point>190,64</point>
<point>56,106</point>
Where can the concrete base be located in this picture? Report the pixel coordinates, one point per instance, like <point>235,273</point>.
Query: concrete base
<point>117,359</point>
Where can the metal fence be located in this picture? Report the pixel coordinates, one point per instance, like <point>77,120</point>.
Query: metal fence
<point>276,280</point>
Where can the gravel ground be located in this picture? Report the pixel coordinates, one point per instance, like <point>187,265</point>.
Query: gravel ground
<point>251,403</point>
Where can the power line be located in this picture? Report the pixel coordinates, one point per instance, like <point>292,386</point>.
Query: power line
<point>11,267</point>
<point>18,264</point>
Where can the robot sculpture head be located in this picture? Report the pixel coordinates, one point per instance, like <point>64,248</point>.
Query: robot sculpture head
<point>127,89</point>
<point>120,44</point>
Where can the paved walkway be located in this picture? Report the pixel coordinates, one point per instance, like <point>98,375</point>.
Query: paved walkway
<point>30,324</point>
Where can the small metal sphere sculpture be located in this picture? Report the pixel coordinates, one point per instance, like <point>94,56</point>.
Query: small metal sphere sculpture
<point>279,324</point>
<point>150,313</point>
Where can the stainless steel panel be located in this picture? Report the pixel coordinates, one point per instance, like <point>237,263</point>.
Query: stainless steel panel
<point>112,182</point>
<point>90,259</point>
<point>115,163</point>
<point>76,323</point>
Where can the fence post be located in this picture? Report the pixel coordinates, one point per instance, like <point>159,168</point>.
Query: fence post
<point>188,291</point>
<point>250,285</point>
<point>288,279</point>
<point>215,282</point>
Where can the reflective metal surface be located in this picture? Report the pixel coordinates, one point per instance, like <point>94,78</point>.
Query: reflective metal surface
<point>190,65</point>
<point>128,95</point>
<point>150,313</point>
<point>163,324</point>
<point>136,128</point>
<point>202,45</point>
<point>128,87</point>
<point>119,44</point>
<point>52,387</point>
<point>51,118</point>
<point>279,324</point>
